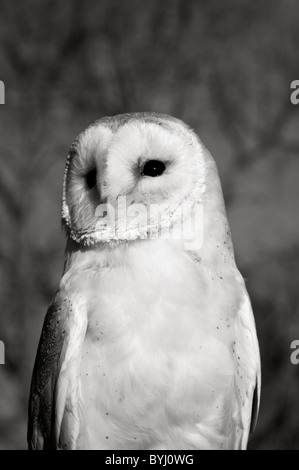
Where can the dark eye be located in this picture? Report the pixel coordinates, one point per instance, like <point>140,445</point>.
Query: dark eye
<point>153,168</point>
<point>91,178</point>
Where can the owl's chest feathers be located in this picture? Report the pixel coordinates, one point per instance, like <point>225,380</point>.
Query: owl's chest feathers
<point>152,339</point>
<point>152,298</point>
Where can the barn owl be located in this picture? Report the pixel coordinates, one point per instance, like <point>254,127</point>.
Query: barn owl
<point>150,341</point>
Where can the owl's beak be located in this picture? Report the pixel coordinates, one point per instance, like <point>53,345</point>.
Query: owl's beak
<point>102,188</point>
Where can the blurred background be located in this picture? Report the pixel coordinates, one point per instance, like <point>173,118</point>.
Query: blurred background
<point>223,67</point>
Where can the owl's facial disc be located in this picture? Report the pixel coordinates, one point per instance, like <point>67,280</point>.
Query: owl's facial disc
<point>146,161</point>
<point>118,171</point>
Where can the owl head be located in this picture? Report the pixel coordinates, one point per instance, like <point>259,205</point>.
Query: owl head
<point>133,174</point>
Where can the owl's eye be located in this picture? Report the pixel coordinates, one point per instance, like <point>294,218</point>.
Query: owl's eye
<point>153,168</point>
<point>91,178</point>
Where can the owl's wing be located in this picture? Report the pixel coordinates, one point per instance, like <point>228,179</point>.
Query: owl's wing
<point>255,403</point>
<point>54,406</point>
<point>248,378</point>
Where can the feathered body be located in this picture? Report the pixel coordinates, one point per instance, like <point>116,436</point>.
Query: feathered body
<point>150,342</point>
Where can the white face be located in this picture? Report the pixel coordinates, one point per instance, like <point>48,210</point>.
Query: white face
<point>148,161</point>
